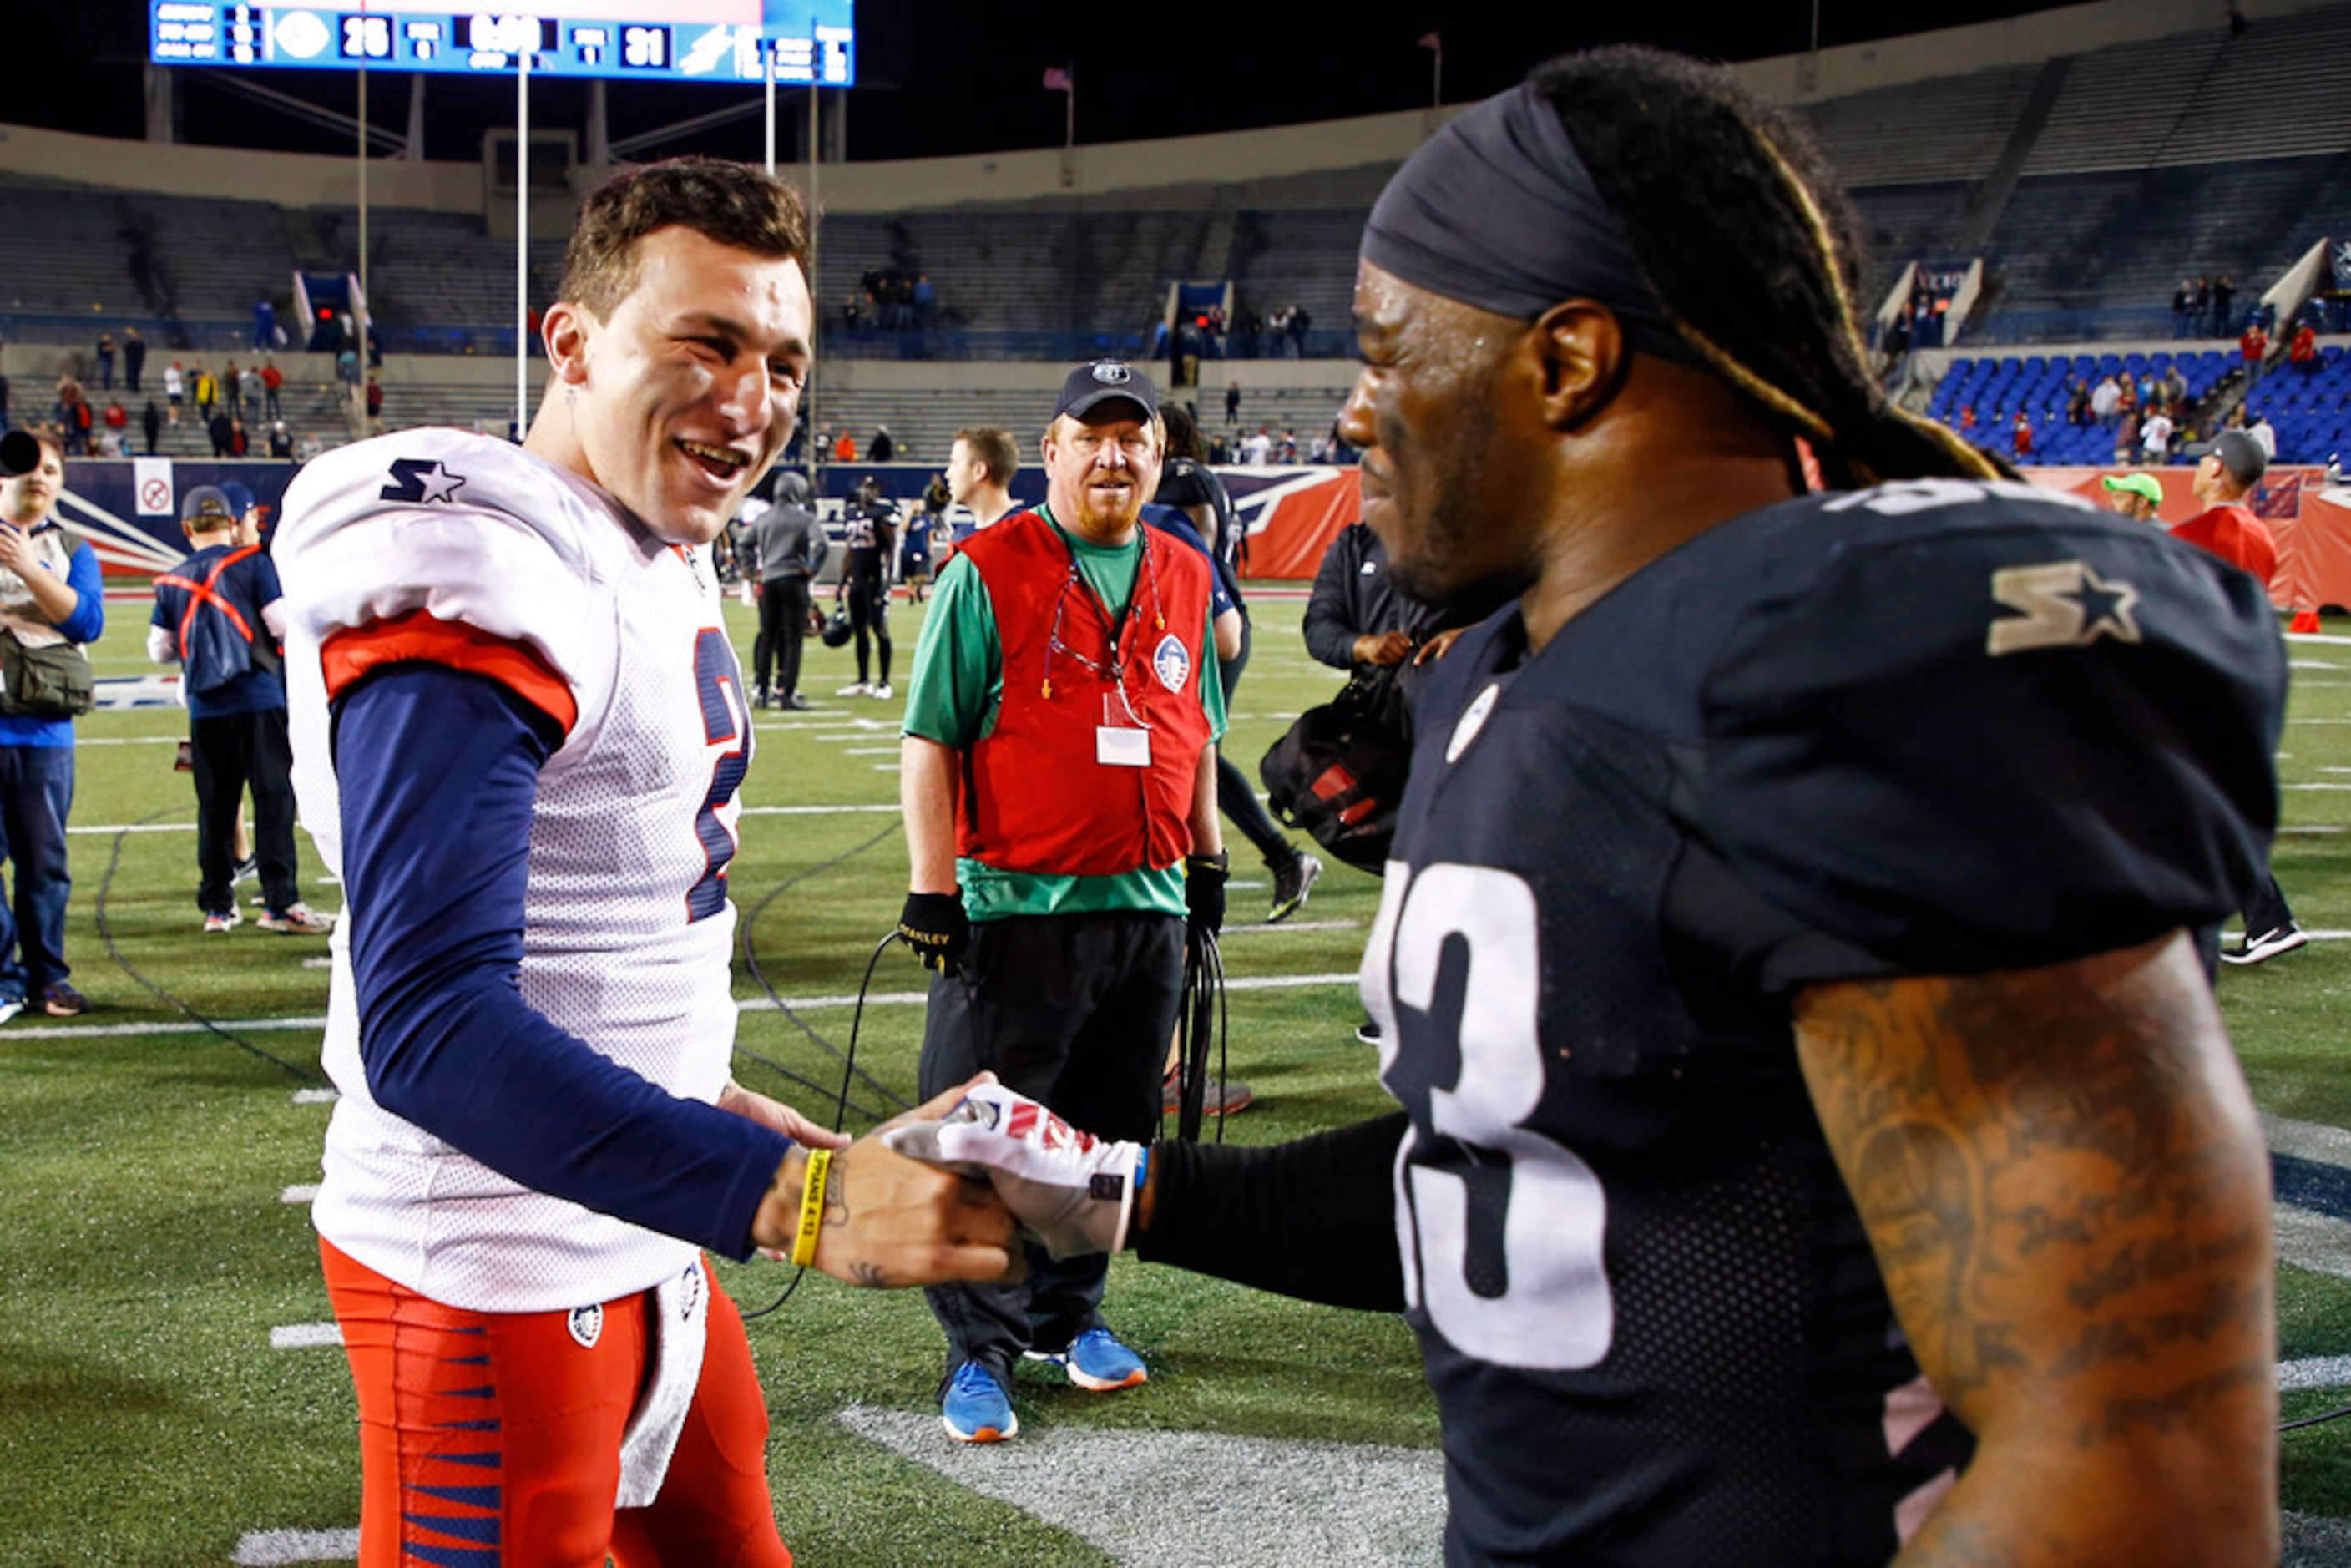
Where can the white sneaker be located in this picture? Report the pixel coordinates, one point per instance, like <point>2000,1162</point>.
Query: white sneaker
<point>881,692</point>
<point>296,921</point>
<point>11,1008</point>
<point>859,690</point>
<point>228,919</point>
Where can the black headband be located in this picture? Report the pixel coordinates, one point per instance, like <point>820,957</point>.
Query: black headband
<point>1496,210</point>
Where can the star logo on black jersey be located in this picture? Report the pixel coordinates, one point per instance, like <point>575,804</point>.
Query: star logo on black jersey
<point>2106,608</point>
<point>2064,604</point>
<point>415,479</point>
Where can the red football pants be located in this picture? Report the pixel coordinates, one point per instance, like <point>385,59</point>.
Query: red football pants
<point>494,1438</point>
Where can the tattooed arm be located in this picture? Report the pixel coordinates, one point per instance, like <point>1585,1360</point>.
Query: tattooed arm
<point>2067,1193</point>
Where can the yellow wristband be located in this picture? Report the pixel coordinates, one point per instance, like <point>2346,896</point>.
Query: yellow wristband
<point>820,1162</point>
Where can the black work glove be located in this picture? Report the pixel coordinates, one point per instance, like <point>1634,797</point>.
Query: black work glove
<point>1204,895</point>
<point>935,925</point>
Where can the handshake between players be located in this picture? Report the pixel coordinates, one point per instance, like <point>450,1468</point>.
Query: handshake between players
<point>1070,1191</point>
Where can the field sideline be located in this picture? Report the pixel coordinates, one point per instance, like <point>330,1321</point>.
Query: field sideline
<point>170,1392</point>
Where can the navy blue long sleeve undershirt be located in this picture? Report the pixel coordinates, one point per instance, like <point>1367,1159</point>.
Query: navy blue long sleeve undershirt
<point>438,770</point>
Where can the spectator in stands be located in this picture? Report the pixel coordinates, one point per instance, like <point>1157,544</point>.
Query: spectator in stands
<point>204,388</point>
<point>2183,302</point>
<point>1299,320</point>
<point>222,429</point>
<point>174,388</point>
<point>2224,299</point>
<point>1258,450</point>
<point>2254,348</point>
<point>272,379</point>
<point>2021,435</point>
<point>106,361</point>
<point>281,440</point>
<point>2174,387</point>
<point>2262,433</point>
<point>2303,353</point>
<point>152,422</point>
<point>2133,496</point>
<point>264,324</point>
<point>72,416</point>
<point>347,371</point>
<point>2201,307</point>
<point>374,403</point>
<point>2106,402</point>
<point>2126,437</point>
<point>117,424</point>
<point>882,449</point>
<point>926,301</point>
<point>2155,435</point>
<point>2077,403</point>
<point>134,357</point>
<point>844,448</point>
<point>1232,402</point>
<point>232,388</point>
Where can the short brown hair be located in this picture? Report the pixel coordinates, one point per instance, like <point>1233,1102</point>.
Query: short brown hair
<point>732,203</point>
<point>995,450</point>
<point>51,438</point>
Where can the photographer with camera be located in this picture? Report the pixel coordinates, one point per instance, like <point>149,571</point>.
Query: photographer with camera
<point>50,605</point>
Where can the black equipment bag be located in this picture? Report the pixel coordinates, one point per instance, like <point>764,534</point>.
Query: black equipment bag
<point>1338,773</point>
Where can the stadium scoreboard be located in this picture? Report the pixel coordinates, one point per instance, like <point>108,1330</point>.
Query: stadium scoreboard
<point>691,40</point>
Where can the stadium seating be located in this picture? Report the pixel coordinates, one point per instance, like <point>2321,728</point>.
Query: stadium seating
<point>1995,388</point>
<point>2311,411</point>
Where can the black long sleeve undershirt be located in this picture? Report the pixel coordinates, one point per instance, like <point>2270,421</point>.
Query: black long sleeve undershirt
<point>1314,1219</point>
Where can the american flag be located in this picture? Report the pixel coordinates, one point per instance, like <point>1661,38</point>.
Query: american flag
<point>1057,79</point>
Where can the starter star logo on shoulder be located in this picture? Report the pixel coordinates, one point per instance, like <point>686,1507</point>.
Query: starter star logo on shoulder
<point>1171,663</point>
<point>418,479</point>
<point>2064,604</point>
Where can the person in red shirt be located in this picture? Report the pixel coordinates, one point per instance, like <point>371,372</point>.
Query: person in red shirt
<point>2022,434</point>
<point>2303,353</point>
<point>2256,348</point>
<point>2225,475</point>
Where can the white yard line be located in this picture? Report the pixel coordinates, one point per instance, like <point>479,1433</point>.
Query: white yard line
<point>271,1548</point>
<point>304,1336</point>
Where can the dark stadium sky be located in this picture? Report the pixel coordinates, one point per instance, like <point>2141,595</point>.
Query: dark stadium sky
<point>958,76</point>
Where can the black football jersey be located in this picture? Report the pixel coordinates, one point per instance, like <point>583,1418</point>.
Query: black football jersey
<point>1933,727</point>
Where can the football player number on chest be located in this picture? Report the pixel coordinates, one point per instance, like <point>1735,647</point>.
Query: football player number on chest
<point>720,685</point>
<point>1533,1290</point>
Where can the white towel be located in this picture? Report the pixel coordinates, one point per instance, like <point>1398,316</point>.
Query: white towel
<point>681,1328</point>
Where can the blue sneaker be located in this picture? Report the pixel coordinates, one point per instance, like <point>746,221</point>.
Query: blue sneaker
<point>976,1409</point>
<point>1098,1363</point>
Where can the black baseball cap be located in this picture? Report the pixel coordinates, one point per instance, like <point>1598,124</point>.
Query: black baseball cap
<point>1090,386</point>
<point>206,501</point>
<point>2241,455</point>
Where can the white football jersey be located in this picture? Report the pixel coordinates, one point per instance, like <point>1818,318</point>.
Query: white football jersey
<point>627,926</point>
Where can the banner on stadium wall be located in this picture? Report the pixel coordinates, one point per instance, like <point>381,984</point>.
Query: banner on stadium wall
<point>132,523</point>
<point>2311,523</point>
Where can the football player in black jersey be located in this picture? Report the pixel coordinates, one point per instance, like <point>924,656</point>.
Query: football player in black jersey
<point>1818,1142</point>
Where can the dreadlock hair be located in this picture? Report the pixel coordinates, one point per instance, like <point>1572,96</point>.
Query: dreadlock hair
<point>1745,237</point>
